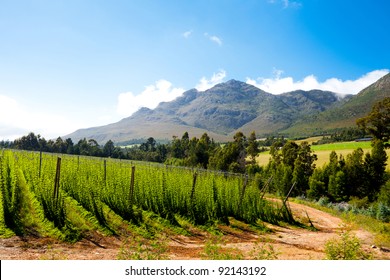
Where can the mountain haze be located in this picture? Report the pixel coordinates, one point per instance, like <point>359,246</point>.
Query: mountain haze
<point>234,106</point>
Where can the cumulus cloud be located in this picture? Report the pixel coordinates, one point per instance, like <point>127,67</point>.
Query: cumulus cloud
<point>17,120</point>
<point>162,90</point>
<point>214,38</point>
<point>187,34</point>
<point>205,84</point>
<point>278,84</point>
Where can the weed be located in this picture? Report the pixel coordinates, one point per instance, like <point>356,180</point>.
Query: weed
<point>144,249</point>
<point>347,247</point>
<point>53,254</point>
<point>214,250</point>
<point>263,251</point>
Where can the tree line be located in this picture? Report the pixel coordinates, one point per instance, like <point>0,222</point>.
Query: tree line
<point>358,175</point>
<point>201,152</point>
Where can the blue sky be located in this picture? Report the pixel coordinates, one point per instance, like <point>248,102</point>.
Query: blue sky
<point>71,64</point>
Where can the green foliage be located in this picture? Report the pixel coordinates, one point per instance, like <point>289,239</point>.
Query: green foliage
<point>343,135</point>
<point>359,202</point>
<point>291,163</point>
<point>347,247</point>
<point>137,248</point>
<point>91,191</point>
<point>383,213</point>
<point>384,195</point>
<point>359,175</point>
<point>252,147</point>
<point>263,251</point>
<point>377,122</point>
<point>231,157</point>
<point>214,250</point>
<point>375,164</point>
<point>10,193</point>
<point>337,186</point>
<point>290,153</point>
<point>317,186</point>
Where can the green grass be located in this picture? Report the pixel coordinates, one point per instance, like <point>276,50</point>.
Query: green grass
<point>323,152</point>
<point>341,146</point>
<point>380,230</point>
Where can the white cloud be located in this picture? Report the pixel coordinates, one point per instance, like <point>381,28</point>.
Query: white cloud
<point>287,3</point>
<point>214,39</point>
<point>205,84</point>
<point>17,120</point>
<point>187,34</point>
<point>278,85</point>
<point>293,4</point>
<point>162,90</point>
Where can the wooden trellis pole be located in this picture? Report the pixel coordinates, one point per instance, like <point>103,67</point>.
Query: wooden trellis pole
<point>193,186</point>
<point>40,164</point>
<point>266,186</point>
<point>243,190</point>
<point>57,180</point>
<point>132,181</point>
<point>289,192</point>
<point>105,171</point>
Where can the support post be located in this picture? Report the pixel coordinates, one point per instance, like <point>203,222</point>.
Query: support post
<point>243,190</point>
<point>105,172</point>
<point>193,186</point>
<point>266,186</point>
<point>40,164</point>
<point>289,192</point>
<point>57,180</point>
<point>132,182</point>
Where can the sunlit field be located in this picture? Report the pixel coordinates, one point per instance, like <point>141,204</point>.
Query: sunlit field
<point>323,151</point>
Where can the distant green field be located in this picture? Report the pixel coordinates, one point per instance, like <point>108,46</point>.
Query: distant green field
<point>323,151</point>
<point>341,146</point>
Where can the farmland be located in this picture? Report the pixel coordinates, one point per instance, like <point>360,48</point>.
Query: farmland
<point>61,196</point>
<point>323,151</point>
<point>74,207</point>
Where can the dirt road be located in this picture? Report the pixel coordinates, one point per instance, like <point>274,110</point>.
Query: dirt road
<point>289,242</point>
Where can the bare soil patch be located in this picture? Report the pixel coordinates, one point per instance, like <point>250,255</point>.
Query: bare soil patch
<point>290,242</point>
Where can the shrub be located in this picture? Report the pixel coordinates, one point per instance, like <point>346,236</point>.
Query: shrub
<point>384,195</point>
<point>359,202</point>
<point>383,213</point>
<point>347,247</point>
<point>323,201</point>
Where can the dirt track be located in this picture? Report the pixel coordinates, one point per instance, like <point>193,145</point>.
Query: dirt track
<point>289,242</point>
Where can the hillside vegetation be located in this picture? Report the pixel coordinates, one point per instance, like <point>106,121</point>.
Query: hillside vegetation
<point>235,106</point>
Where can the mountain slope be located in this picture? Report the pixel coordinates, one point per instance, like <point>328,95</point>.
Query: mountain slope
<point>344,115</point>
<point>236,106</point>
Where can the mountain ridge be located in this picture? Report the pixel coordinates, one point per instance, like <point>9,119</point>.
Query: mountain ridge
<point>234,106</point>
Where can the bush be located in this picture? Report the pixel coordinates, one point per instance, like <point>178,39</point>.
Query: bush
<point>323,201</point>
<point>342,207</point>
<point>359,202</point>
<point>347,247</point>
<point>384,195</point>
<point>383,213</point>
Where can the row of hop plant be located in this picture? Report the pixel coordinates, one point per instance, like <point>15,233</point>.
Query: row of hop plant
<point>97,184</point>
<point>26,198</point>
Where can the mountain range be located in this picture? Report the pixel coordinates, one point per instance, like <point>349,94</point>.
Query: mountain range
<point>234,106</point>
